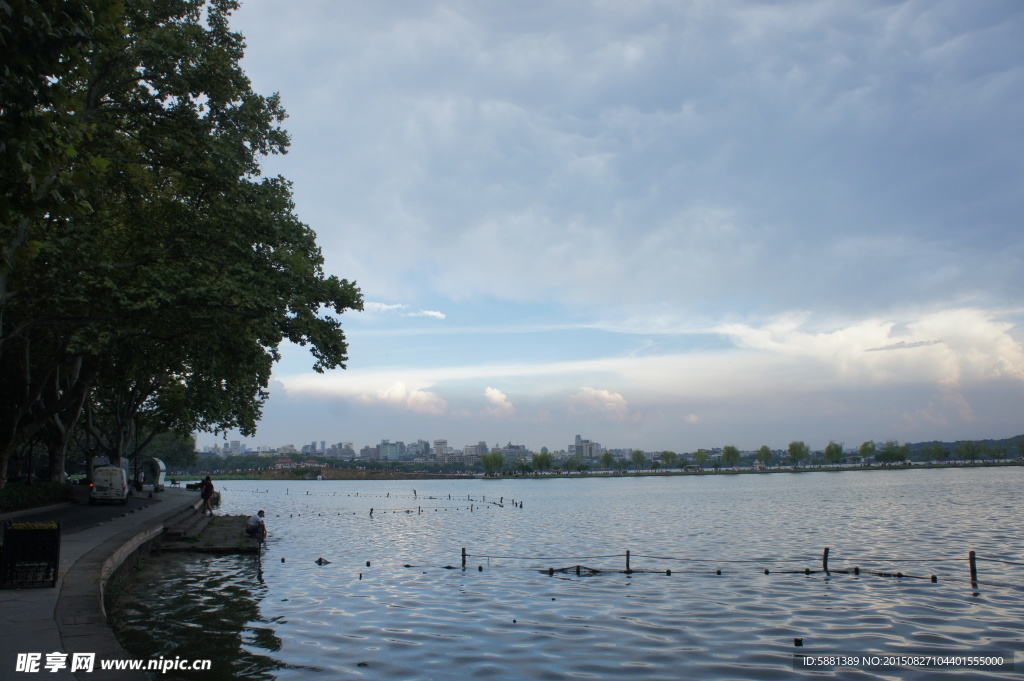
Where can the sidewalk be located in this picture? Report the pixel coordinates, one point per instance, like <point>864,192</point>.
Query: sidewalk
<point>70,618</point>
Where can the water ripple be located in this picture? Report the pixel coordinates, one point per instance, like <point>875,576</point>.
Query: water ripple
<point>503,618</point>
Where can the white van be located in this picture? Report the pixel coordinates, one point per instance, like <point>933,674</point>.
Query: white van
<point>109,483</point>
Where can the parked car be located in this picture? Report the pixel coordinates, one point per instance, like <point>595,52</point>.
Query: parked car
<point>109,483</point>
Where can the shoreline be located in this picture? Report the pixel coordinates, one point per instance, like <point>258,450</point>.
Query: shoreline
<point>301,474</point>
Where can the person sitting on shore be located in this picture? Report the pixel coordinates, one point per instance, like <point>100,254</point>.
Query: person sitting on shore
<point>255,527</point>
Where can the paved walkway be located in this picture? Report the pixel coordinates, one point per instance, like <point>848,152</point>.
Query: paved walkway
<point>70,618</point>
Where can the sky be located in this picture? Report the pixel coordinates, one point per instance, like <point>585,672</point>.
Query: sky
<point>657,224</point>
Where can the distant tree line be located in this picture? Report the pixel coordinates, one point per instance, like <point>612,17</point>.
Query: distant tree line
<point>178,454</point>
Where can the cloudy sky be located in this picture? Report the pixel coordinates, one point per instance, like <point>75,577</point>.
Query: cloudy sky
<point>657,223</point>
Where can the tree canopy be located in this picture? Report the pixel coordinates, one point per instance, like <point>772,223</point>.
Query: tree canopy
<point>492,462</point>
<point>893,452</point>
<point>639,459</point>
<point>798,451</point>
<point>834,452</point>
<point>148,268</point>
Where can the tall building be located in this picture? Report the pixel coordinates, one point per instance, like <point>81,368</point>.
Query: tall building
<point>391,451</point>
<point>418,450</point>
<point>440,448</point>
<point>585,449</point>
<point>472,453</point>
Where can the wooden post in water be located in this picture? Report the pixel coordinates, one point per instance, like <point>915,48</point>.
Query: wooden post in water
<point>627,562</point>
<point>463,558</point>
<point>824,560</point>
<point>974,566</point>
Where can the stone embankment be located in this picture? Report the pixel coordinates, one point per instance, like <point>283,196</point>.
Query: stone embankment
<point>201,533</point>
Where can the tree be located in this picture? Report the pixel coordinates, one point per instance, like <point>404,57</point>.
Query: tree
<point>798,451</point>
<point>177,452</point>
<point>493,462</point>
<point>999,452</point>
<point>834,452</point>
<point>935,451</point>
<point>893,452</point>
<point>764,456</point>
<point>968,451</point>
<point>520,463</point>
<point>700,457</point>
<point>639,459</point>
<point>606,460</point>
<point>669,459</point>
<point>576,463</point>
<point>542,461</point>
<point>157,269</point>
<point>730,456</point>
<point>867,450</point>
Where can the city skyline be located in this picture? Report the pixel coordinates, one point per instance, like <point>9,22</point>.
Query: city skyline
<point>663,224</point>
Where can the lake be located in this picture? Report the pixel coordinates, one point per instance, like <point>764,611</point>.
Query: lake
<point>726,576</point>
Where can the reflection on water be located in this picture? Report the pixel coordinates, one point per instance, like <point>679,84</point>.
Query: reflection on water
<point>387,606</point>
<point>197,608</point>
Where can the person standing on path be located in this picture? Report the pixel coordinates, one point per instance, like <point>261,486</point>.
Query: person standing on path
<point>206,492</point>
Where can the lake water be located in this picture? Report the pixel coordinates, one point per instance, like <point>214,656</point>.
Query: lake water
<point>394,602</point>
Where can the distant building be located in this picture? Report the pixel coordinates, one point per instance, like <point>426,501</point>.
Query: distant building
<point>585,449</point>
<point>511,451</point>
<point>391,451</point>
<point>418,450</point>
<point>472,453</point>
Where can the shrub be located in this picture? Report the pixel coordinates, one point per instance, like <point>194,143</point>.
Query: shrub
<point>17,497</point>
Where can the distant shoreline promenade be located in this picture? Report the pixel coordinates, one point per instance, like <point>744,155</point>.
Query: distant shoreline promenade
<point>399,474</point>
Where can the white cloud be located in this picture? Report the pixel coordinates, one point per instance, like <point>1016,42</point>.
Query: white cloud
<point>785,354</point>
<point>427,313</point>
<point>500,406</point>
<point>942,347</point>
<point>370,306</point>
<point>399,308</point>
<point>605,403</point>
<point>398,395</point>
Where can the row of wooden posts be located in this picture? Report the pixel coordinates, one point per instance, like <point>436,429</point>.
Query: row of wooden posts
<point>971,558</point>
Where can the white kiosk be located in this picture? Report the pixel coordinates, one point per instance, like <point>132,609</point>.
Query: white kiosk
<point>161,475</point>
